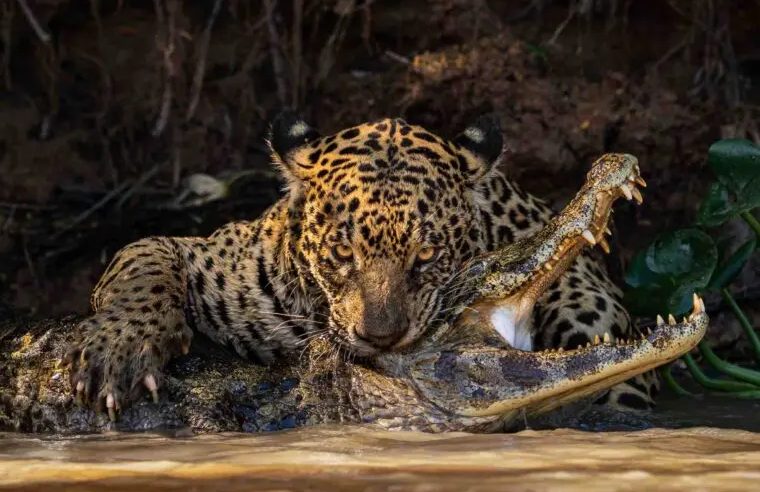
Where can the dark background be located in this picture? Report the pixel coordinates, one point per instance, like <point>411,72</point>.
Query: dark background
<point>110,106</point>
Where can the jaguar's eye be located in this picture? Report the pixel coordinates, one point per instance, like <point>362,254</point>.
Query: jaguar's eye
<point>343,252</point>
<point>426,254</point>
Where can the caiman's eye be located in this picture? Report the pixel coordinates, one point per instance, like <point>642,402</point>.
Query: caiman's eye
<point>343,252</point>
<point>426,255</point>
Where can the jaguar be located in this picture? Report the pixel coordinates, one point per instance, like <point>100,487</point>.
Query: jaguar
<point>364,250</point>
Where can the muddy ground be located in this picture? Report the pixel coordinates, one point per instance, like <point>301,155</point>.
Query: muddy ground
<point>108,109</point>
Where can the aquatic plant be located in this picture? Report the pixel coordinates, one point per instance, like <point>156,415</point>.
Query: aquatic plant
<point>662,277</point>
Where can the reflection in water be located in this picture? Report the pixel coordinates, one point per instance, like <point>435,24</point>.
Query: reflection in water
<point>351,458</point>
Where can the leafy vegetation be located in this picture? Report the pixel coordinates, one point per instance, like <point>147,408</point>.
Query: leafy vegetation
<point>662,278</point>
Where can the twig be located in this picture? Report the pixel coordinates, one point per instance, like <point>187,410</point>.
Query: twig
<point>8,220</point>
<point>398,58</point>
<point>138,184</point>
<point>274,47</point>
<point>41,33</point>
<point>30,265</point>
<point>297,52</point>
<point>168,51</point>
<point>97,206</point>
<point>570,16</point>
<point>672,51</point>
<point>25,206</point>
<point>7,26</point>
<point>200,69</point>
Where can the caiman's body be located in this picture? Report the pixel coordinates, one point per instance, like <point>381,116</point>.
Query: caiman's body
<point>461,376</point>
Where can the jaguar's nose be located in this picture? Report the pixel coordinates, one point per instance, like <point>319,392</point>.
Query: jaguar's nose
<point>382,331</point>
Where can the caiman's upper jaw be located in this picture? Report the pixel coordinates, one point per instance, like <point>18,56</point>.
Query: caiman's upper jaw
<point>508,294</point>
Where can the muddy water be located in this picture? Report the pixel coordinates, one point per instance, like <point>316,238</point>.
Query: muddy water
<point>717,455</point>
<point>340,459</point>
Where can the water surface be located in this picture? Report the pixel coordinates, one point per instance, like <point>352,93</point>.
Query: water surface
<point>722,453</point>
<point>351,458</point>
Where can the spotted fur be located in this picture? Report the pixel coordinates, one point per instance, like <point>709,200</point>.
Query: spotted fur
<point>375,222</point>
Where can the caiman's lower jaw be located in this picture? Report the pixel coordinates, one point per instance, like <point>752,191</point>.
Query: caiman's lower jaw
<point>603,363</point>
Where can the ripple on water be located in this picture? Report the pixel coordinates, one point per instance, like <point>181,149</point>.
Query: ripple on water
<point>354,458</point>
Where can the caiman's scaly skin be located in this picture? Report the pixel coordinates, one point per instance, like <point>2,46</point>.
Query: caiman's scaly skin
<point>464,377</point>
<point>460,376</point>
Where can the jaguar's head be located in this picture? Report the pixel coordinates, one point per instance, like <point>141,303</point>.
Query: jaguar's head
<point>383,215</point>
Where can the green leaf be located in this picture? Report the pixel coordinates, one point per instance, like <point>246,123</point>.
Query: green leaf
<point>665,275</point>
<point>732,266</point>
<point>717,207</point>
<point>687,254</point>
<point>736,162</point>
<point>647,301</point>
<point>639,274</point>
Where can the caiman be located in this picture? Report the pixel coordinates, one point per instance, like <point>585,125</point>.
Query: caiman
<point>463,375</point>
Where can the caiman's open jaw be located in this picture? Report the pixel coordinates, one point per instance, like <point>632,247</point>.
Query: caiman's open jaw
<point>509,294</point>
<point>471,380</point>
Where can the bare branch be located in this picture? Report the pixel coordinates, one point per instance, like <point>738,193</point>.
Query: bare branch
<point>200,69</point>
<point>38,29</point>
<point>168,51</point>
<point>274,46</point>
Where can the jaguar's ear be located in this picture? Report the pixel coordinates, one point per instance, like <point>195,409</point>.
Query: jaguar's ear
<point>480,146</point>
<point>289,137</point>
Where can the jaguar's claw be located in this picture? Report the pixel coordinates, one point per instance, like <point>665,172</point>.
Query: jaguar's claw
<point>80,393</point>
<point>111,405</point>
<point>150,383</point>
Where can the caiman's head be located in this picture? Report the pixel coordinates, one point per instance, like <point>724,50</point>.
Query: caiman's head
<point>472,380</point>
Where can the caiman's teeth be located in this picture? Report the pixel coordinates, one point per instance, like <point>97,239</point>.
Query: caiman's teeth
<point>698,304</point>
<point>660,321</point>
<point>606,337</point>
<point>607,231</point>
<point>579,347</point>
<point>560,349</point>
<point>588,236</point>
<point>626,191</point>
<point>548,266</point>
<point>597,340</point>
<point>671,319</point>
<point>649,331</point>
<point>604,245</point>
<point>637,196</point>
<point>640,181</point>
